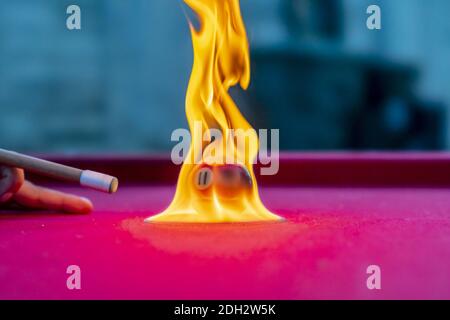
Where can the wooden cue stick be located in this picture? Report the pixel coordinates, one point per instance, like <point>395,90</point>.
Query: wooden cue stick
<point>86,178</point>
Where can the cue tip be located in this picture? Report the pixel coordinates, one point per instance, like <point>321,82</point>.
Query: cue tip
<point>99,181</point>
<point>114,185</point>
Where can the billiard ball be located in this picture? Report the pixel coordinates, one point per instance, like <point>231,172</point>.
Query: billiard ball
<point>231,180</point>
<point>226,180</point>
<point>233,176</point>
<point>203,177</point>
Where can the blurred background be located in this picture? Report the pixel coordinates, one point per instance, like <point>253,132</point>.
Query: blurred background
<point>318,74</point>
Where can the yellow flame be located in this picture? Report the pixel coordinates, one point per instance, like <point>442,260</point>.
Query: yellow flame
<point>221,60</point>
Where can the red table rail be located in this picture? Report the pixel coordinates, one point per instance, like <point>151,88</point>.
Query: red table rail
<point>372,169</point>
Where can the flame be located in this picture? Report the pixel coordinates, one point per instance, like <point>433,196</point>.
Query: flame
<point>221,60</point>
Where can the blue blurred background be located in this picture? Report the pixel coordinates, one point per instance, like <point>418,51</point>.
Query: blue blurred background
<point>318,74</point>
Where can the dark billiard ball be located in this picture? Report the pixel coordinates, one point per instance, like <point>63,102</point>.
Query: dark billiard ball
<point>231,180</point>
<point>233,175</point>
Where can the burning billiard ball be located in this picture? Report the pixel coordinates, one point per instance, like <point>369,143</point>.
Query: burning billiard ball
<point>203,177</point>
<point>233,176</point>
<point>227,180</point>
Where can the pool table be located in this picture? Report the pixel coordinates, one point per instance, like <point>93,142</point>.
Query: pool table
<point>344,212</point>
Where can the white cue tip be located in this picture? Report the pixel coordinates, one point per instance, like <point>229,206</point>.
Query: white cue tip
<point>99,181</point>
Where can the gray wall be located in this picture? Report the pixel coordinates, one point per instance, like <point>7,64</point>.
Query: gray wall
<point>119,83</point>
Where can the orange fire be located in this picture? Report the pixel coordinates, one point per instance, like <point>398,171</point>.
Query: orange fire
<point>210,190</point>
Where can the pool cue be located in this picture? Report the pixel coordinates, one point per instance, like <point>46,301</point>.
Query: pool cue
<point>85,178</point>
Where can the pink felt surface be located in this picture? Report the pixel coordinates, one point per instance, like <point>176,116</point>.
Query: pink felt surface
<point>322,251</point>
